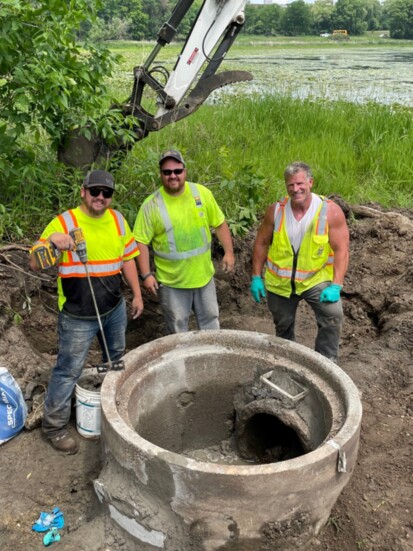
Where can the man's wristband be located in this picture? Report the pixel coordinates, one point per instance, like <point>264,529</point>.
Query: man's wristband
<point>145,276</point>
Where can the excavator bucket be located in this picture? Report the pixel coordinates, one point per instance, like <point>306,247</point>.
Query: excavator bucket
<point>217,20</point>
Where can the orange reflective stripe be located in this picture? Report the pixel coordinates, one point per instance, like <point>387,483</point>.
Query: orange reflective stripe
<point>75,225</point>
<point>130,247</point>
<point>118,218</point>
<point>63,223</point>
<point>302,275</point>
<point>279,214</point>
<point>96,269</point>
<point>115,218</point>
<point>73,217</point>
<point>322,225</point>
<point>276,270</point>
<point>68,221</point>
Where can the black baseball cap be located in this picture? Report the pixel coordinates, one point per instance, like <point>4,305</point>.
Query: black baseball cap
<point>99,178</point>
<point>171,154</point>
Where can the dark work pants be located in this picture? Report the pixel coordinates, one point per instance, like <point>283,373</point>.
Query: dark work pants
<point>75,339</point>
<point>329,317</point>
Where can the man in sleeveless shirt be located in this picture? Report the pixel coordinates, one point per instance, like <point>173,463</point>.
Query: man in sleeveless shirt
<point>176,222</point>
<point>303,242</point>
<point>111,251</point>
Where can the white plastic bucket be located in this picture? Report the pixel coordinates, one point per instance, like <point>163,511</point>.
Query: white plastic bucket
<point>88,411</point>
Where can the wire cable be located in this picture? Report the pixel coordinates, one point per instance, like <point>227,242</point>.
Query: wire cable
<point>219,10</point>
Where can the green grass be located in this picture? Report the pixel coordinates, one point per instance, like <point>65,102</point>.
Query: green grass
<point>240,146</point>
<point>368,39</point>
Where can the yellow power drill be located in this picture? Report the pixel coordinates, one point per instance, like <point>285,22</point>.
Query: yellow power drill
<point>80,244</point>
<point>46,254</point>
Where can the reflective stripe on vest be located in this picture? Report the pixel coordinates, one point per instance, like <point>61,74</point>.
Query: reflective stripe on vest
<point>321,229</point>
<point>130,247</point>
<point>279,214</point>
<point>174,254</point>
<point>300,275</point>
<point>75,268</point>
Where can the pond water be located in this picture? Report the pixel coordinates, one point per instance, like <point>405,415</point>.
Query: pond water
<point>350,74</point>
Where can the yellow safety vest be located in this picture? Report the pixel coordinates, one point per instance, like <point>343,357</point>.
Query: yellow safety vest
<point>110,243</point>
<point>70,265</point>
<point>288,273</point>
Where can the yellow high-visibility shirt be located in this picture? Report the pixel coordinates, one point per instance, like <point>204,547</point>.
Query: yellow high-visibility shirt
<point>191,218</point>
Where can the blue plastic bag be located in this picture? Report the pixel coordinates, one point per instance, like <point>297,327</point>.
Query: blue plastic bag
<point>13,408</point>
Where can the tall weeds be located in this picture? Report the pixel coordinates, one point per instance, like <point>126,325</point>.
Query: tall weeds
<point>240,148</point>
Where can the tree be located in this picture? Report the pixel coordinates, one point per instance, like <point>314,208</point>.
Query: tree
<point>48,80</point>
<point>399,17</point>
<point>262,19</point>
<point>49,85</point>
<point>322,12</point>
<point>296,19</point>
<point>130,11</point>
<point>373,15</point>
<point>350,15</point>
<point>156,13</point>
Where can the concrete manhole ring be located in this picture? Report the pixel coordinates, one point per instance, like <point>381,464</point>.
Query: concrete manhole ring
<point>175,400</point>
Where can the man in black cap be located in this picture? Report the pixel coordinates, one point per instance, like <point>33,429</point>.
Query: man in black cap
<point>111,250</point>
<point>176,222</point>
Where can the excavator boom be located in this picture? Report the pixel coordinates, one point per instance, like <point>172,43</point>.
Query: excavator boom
<point>214,30</point>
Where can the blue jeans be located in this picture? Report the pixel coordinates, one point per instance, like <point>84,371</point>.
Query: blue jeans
<point>329,316</point>
<point>75,339</point>
<point>177,305</point>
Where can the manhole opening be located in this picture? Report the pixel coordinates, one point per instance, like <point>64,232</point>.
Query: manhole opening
<point>266,439</point>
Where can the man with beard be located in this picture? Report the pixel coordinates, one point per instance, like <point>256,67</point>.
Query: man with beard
<point>176,221</point>
<point>111,250</point>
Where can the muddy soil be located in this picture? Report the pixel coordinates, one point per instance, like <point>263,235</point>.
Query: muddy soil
<point>375,510</point>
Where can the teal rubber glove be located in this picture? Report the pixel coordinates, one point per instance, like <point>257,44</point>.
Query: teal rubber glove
<point>331,293</point>
<point>257,288</point>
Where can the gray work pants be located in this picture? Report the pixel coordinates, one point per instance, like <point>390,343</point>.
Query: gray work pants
<point>177,305</point>
<point>329,317</point>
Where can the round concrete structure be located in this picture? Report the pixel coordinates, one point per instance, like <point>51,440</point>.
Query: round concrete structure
<point>182,396</point>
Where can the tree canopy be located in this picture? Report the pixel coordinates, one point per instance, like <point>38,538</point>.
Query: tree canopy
<point>129,11</point>
<point>356,16</point>
<point>350,15</point>
<point>399,17</point>
<point>296,19</point>
<point>142,19</point>
<point>49,82</point>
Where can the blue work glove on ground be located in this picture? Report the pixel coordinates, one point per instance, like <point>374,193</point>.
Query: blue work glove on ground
<point>331,293</point>
<point>257,288</point>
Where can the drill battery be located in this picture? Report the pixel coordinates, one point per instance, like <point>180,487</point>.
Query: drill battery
<point>45,254</point>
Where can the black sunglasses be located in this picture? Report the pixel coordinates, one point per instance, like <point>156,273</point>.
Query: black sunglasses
<point>96,191</point>
<point>168,171</point>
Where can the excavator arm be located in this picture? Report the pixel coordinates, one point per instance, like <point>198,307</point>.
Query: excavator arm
<point>214,30</point>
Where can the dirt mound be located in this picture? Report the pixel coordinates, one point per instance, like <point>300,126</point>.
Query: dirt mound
<point>373,512</point>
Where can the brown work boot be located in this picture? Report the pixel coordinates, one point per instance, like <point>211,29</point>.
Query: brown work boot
<point>65,443</point>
